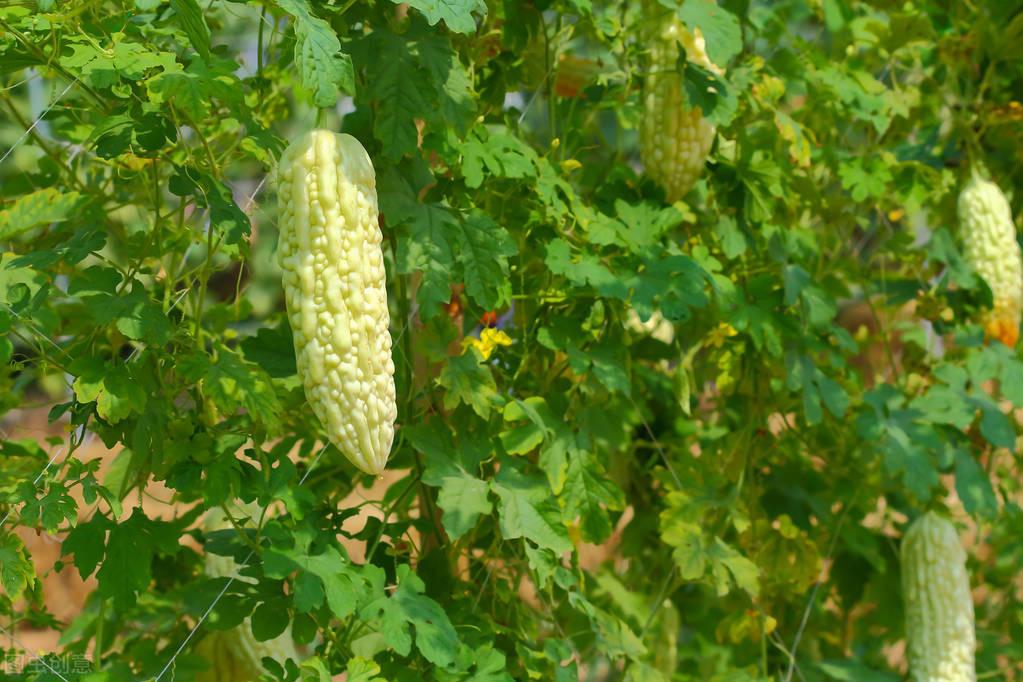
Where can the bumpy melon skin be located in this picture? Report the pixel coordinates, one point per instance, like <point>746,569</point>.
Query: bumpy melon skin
<point>989,241</point>
<point>336,294</point>
<point>940,639</point>
<point>674,138</point>
<point>235,655</point>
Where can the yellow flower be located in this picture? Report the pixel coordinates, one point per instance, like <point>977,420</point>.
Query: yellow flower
<point>488,342</point>
<point>722,332</point>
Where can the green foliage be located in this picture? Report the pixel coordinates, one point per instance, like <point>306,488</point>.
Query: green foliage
<point>580,498</point>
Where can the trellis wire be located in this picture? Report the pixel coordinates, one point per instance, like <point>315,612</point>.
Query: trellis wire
<point>37,121</point>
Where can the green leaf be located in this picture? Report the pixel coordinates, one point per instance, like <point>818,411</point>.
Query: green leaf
<point>584,269</point>
<point>491,665</point>
<point>804,374</point>
<point>153,131</point>
<point>400,91</point>
<point>589,495</point>
<point>675,284</point>
<point>545,428</point>
<point>942,405</point>
<point>118,479</point>
<point>696,551</point>
<point>854,671</point>
<point>484,247</point>
<point>796,135</point>
<point>338,579</point>
<point>974,487</point>
<point>690,551</point>
<point>906,445</point>
<point>269,620</point>
<point>324,68</point>
<point>542,562</point>
<point>865,178</point>
<point>233,384</point>
<point>116,392</point>
<point>495,153</point>
<point>49,511</point>
<point>131,547</point>
<point>1011,377</point>
<point>740,570</point>
<point>44,206</point>
<point>189,92</point>
<point>434,440</point>
<point>132,311</point>
<point>524,438</point>
<point>468,380</point>
<point>104,66</point>
<point>706,90</point>
<point>20,460</point>
<point>526,511</point>
<point>408,609</point>
<point>272,350</point>
<point>313,669</point>
<point>16,569</point>
<point>642,225</point>
<point>192,21</point>
<point>796,279</point>
<point>464,499</point>
<point>426,248</point>
<point>995,425</point>
<point>606,362</point>
<point>720,27</point>
<point>861,93</point>
<point>225,215</point>
<point>451,82</point>
<point>361,670</point>
<point>615,638</point>
<point>457,14</point>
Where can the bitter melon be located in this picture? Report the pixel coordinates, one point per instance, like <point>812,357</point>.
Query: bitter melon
<point>940,635</point>
<point>336,294</point>
<point>235,655</point>
<point>989,240</point>
<point>674,137</point>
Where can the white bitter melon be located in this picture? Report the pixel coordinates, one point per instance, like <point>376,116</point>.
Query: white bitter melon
<point>335,289</point>
<point>989,240</point>
<point>940,638</point>
<point>674,137</point>
<point>235,655</point>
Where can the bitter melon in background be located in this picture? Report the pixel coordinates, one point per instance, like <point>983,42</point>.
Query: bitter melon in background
<point>940,639</point>
<point>674,137</point>
<point>336,295</point>
<point>656,326</point>
<point>235,655</point>
<point>989,241</point>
